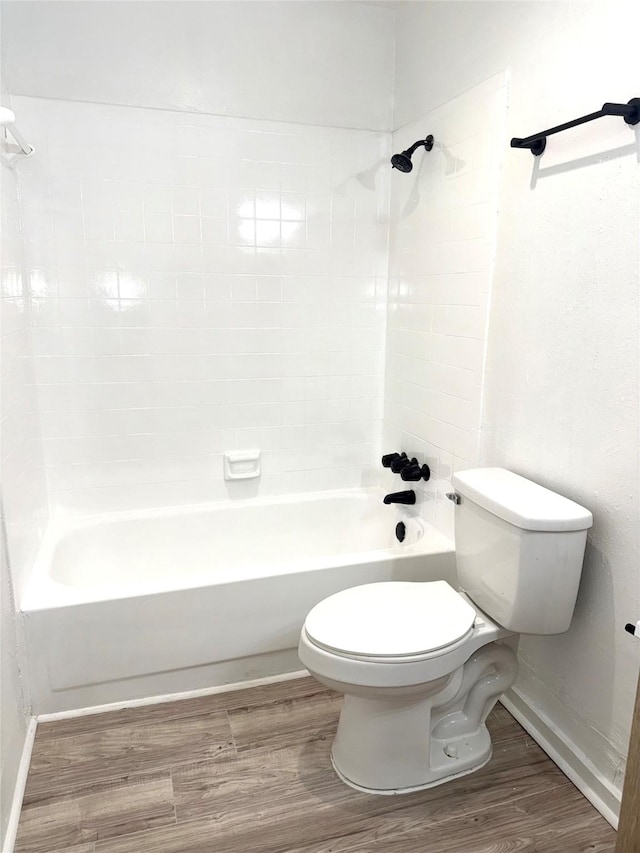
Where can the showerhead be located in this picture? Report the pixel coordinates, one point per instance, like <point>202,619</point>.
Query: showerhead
<point>402,161</point>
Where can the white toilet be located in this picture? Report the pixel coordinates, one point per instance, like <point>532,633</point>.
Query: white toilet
<point>421,665</point>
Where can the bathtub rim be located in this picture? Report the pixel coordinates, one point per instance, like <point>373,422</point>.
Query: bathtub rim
<point>42,592</point>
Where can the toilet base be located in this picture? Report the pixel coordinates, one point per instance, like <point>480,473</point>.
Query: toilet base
<point>385,748</point>
<point>394,741</point>
<point>393,792</point>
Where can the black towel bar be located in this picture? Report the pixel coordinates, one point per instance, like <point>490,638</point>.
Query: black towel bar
<point>537,142</point>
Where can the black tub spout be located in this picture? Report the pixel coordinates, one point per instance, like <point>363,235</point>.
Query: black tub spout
<point>408,497</point>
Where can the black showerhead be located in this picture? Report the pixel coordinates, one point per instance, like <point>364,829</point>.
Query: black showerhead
<point>402,161</point>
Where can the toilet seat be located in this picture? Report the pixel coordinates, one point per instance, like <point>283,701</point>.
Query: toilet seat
<point>391,620</point>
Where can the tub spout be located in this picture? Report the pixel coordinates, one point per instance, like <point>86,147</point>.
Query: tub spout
<point>408,497</point>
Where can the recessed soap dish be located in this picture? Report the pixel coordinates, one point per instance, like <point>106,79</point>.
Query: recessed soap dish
<point>241,464</point>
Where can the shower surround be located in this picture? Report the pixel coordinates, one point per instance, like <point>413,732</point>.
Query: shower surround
<point>202,284</point>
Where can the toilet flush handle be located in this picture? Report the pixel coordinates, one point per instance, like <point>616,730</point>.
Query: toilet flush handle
<point>454,497</point>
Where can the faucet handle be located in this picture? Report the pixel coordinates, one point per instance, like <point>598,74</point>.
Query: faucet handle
<point>388,458</point>
<point>415,472</point>
<point>401,462</point>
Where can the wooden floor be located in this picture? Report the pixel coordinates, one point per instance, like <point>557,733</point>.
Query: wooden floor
<point>250,771</point>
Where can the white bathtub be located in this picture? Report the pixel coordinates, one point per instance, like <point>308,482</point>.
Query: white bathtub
<point>131,605</point>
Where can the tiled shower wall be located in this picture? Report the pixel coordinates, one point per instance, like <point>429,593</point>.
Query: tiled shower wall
<point>203,284</point>
<point>443,233</point>
<point>24,498</point>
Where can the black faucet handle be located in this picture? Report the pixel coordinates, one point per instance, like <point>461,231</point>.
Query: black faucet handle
<point>388,458</point>
<point>402,462</point>
<point>412,473</point>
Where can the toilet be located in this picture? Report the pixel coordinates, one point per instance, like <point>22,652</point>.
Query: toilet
<point>421,665</point>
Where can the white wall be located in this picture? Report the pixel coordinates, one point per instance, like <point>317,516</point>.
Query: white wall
<point>328,63</point>
<point>13,706</point>
<point>562,375</point>
<point>443,231</point>
<point>202,284</point>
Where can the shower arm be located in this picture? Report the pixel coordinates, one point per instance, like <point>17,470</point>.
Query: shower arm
<point>428,144</point>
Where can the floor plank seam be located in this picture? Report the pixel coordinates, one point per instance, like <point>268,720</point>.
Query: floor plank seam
<point>233,737</point>
<point>73,793</point>
<point>395,813</point>
<point>114,726</point>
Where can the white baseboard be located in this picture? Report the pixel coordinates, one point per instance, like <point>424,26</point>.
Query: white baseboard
<point>604,796</point>
<point>18,792</point>
<point>171,697</point>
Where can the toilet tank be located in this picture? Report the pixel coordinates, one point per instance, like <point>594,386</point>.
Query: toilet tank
<point>519,549</point>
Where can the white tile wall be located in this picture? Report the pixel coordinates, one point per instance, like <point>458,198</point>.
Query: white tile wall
<point>202,284</point>
<point>24,498</point>
<point>443,227</point>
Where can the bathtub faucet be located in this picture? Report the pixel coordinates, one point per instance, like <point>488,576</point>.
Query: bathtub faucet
<point>408,497</point>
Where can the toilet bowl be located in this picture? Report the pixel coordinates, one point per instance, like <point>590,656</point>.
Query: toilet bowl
<point>420,668</point>
<point>421,665</point>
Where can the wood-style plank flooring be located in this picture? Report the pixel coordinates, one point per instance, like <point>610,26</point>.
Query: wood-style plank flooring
<point>250,771</point>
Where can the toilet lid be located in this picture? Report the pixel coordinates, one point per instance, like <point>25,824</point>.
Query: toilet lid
<point>390,619</point>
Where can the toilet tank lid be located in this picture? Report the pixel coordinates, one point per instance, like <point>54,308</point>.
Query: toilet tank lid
<point>520,501</point>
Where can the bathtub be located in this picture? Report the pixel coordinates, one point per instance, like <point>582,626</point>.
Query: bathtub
<point>131,605</point>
